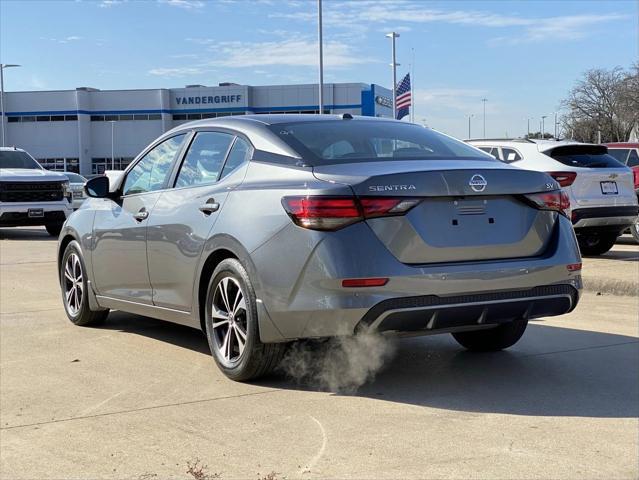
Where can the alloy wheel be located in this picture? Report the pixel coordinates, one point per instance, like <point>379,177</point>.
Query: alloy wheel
<point>230,326</point>
<point>73,284</point>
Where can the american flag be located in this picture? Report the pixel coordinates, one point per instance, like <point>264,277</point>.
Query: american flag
<point>403,99</point>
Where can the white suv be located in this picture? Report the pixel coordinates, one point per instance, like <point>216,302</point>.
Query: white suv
<point>31,195</point>
<point>600,189</point>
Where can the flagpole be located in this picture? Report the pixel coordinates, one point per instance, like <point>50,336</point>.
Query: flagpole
<point>394,65</point>
<point>321,57</point>
<point>412,93</point>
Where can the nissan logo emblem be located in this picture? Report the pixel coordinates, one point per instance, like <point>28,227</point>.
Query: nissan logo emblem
<point>478,183</point>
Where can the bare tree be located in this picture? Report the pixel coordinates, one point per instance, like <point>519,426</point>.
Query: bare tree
<point>605,101</point>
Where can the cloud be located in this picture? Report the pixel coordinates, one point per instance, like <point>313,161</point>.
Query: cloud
<point>175,72</point>
<point>289,52</point>
<point>381,14</point>
<point>71,38</point>
<point>185,4</point>
<point>110,3</point>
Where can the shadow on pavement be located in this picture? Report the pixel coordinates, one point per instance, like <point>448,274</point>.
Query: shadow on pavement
<point>553,371</point>
<point>35,233</point>
<point>631,255</point>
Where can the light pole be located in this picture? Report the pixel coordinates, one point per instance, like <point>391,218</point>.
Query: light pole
<point>321,57</point>
<point>556,125</point>
<point>2,67</point>
<point>394,65</point>
<point>484,100</point>
<point>112,122</point>
<point>469,117</point>
<point>529,119</point>
<point>543,126</point>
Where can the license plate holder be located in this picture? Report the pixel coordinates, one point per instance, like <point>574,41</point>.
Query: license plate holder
<point>609,188</point>
<point>35,212</point>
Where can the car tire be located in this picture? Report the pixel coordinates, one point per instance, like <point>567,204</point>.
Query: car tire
<point>494,339</point>
<point>53,229</point>
<point>74,287</point>
<point>634,230</point>
<point>596,244</point>
<point>231,319</point>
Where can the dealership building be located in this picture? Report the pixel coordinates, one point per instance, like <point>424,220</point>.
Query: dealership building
<point>86,130</point>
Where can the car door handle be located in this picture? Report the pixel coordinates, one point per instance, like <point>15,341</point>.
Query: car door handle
<point>141,215</point>
<point>209,207</point>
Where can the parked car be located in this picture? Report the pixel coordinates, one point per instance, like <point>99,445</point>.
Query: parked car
<point>31,195</point>
<point>628,154</point>
<point>601,190</point>
<point>266,229</point>
<point>76,184</point>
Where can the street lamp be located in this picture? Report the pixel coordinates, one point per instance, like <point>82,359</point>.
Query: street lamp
<point>543,125</point>
<point>394,66</point>
<point>484,100</point>
<point>112,122</point>
<point>2,67</point>
<point>529,119</point>
<point>321,57</point>
<point>469,117</point>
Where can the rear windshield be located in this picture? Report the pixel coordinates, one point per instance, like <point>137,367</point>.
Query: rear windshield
<point>620,154</point>
<point>348,141</point>
<point>17,159</point>
<point>585,156</point>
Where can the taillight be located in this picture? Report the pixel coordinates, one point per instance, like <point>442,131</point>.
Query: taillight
<point>332,213</point>
<point>565,179</point>
<point>635,176</point>
<point>556,200</point>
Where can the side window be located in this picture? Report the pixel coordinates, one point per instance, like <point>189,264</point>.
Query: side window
<point>204,160</point>
<point>510,155</point>
<point>151,172</point>
<point>240,153</point>
<point>633,158</point>
<point>485,149</point>
<point>495,153</point>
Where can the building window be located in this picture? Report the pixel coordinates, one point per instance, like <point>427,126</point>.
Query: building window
<point>13,119</point>
<point>43,118</point>
<point>61,164</point>
<point>57,118</point>
<point>99,165</point>
<point>155,116</point>
<point>179,117</point>
<point>125,117</point>
<point>97,118</point>
<point>70,118</point>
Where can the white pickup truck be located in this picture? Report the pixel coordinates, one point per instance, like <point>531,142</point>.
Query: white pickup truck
<point>31,195</point>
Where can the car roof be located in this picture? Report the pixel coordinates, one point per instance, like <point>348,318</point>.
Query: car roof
<point>536,144</point>
<point>623,144</point>
<point>273,119</point>
<point>10,149</point>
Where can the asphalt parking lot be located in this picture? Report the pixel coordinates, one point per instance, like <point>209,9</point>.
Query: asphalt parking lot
<point>142,399</point>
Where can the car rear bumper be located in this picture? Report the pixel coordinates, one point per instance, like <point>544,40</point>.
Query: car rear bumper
<point>303,296</point>
<point>431,314</point>
<point>621,217</point>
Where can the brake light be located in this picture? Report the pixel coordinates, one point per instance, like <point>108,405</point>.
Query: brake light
<point>565,179</point>
<point>574,267</point>
<point>557,200</point>
<point>333,213</point>
<point>635,176</point>
<point>364,282</point>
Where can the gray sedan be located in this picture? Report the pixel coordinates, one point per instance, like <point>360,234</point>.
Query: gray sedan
<point>261,230</point>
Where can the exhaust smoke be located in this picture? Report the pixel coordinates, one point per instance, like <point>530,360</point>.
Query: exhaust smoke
<point>341,364</point>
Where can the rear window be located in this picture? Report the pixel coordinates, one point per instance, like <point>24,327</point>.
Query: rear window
<point>348,141</point>
<point>584,156</point>
<point>17,159</point>
<point>620,154</point>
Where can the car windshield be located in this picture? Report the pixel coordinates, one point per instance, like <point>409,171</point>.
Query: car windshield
<point>347,141</point>
<point>75,178</point>
<point>585,156</point>
<point>17,159</point>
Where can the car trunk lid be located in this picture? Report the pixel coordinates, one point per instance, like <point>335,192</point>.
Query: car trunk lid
<point>465,214</point>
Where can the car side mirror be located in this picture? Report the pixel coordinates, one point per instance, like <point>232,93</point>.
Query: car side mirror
<point>97,187</point>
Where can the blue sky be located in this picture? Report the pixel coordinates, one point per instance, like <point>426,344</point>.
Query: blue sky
<point>522,56</point>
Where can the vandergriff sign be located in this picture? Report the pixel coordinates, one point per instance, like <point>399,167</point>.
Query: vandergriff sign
<point>206,99</point>
<point>209,97</point>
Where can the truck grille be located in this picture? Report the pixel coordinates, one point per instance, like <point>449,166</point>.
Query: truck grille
<point>31,192</point>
